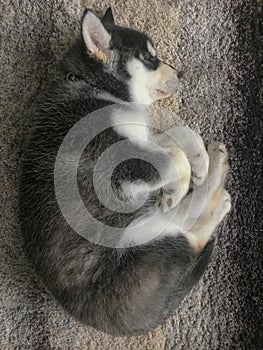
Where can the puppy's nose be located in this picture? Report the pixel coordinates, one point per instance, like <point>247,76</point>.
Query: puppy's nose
<point>180,74</point>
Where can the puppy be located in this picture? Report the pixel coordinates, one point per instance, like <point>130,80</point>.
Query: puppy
<point>124,268</point>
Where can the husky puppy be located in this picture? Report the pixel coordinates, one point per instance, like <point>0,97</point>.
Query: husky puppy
<point>129,283</point>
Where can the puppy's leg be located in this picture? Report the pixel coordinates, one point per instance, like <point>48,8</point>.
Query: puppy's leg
<point>192,145</point>
<point>174,191</point>
<point>172,179</point>
<point>196,216</point>
<point>187,155</point>
<point>202,210</point>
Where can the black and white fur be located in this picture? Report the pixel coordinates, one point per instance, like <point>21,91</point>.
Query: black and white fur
<point>119,290</point>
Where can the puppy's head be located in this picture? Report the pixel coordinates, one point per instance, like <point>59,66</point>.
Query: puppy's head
<point>129,55</point>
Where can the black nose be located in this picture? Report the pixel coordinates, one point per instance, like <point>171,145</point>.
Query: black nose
<point>180,74</point>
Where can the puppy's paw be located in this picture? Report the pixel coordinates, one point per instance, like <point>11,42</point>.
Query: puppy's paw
<point>217,152</point>
<point>168,200</point>
<point>218,162</point>
<point>224,205</point>
<point>199,168</point>
<point>226,202</point>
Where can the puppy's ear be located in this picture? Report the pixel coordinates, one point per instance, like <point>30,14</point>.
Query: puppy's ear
<point>108,17</point>
<point>95,36</point>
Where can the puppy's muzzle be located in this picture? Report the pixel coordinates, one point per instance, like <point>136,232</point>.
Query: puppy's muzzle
<point>169,79</point>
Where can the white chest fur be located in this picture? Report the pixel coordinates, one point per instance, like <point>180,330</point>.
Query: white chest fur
<point>131,123</point>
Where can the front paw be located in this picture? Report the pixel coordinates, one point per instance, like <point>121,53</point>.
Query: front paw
<point>168,199</point>
<point>199,168</point>
<point>172,194</point>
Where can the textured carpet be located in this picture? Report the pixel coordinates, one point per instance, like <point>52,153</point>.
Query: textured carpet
<point>218,46</point>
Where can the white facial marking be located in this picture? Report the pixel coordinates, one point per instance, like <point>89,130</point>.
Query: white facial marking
<point>141,82</point>
<point>146,85</point>
<point>150,49</point>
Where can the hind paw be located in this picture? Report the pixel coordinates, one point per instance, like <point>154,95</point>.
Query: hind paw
<point>226,202</point>
<point>217,151</point>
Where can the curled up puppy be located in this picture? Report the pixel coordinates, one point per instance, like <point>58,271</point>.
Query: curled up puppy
<point>153,201</point>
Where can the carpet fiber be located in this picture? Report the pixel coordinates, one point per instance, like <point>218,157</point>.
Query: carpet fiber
<point>217,45</point>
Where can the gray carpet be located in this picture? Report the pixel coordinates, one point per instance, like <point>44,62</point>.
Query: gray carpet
<point>219,47</point>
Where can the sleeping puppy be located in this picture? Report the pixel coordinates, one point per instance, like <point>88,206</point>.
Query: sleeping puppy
<point>124,268</point>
